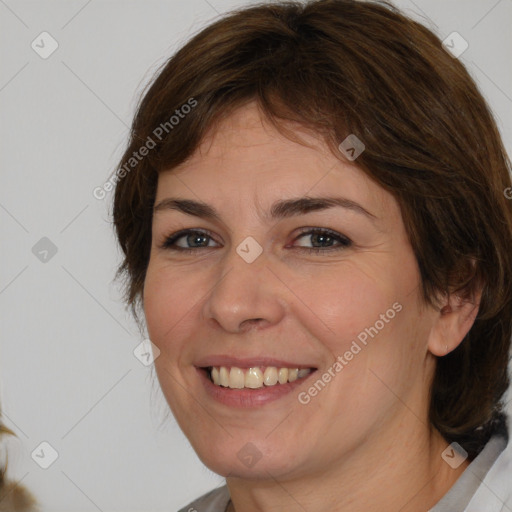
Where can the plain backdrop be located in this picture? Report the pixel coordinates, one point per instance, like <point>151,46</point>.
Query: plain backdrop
<point>68,375</point>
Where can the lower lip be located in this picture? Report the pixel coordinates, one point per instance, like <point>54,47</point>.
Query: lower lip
<point>245,398</point>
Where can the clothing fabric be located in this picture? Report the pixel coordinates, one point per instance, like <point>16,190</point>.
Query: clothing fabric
<point>484,486</point>
<point>216,500</point>
<point>463,492</point>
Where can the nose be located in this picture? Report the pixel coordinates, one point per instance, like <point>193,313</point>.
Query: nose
<point>245,295</point>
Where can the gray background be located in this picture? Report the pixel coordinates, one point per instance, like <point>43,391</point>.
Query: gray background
<point>68,375</point>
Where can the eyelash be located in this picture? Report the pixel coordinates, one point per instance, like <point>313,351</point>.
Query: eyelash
<point>169,242</point>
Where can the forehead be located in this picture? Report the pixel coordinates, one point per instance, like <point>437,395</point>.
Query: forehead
<point>247,137</point>
<point>245,160</point>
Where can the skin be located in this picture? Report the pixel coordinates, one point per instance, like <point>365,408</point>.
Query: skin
<point>365,441</point>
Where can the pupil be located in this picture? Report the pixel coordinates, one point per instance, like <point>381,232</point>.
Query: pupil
<point>319,237</point>
<point>196,238</point>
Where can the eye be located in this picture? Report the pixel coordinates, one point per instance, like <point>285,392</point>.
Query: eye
<point>186,240</point>
<point>324,239</point>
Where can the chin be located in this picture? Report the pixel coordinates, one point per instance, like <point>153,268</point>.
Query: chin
<point>249,460</point>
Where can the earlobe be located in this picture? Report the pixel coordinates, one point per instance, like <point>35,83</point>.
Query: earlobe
<point>453,322</point>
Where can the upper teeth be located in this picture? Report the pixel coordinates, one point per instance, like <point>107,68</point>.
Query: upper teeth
<point>238,378</point>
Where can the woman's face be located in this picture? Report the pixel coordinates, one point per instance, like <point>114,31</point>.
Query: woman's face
<point>253,287</point>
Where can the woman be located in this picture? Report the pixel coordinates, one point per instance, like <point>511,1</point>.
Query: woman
<point>313,218</point>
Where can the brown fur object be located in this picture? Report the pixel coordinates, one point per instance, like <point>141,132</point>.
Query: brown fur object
<point>13,496</point>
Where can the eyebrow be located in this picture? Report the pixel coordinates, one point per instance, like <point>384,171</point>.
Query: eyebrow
<point>279,210</point>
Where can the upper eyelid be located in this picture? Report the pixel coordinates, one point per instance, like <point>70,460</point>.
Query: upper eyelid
<point>180,233</point>
<point>308,230</point>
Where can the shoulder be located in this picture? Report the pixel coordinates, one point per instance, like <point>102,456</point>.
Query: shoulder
<point>213,501</point>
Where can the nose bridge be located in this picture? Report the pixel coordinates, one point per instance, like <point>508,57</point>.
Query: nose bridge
<point>245,291</point>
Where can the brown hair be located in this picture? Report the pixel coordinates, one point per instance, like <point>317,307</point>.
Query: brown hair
<point>343,67</point>
<point>13,496</point>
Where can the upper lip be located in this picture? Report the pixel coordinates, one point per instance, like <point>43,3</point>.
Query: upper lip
<point>248,362</point>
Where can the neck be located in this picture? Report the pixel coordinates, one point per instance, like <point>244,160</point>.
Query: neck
<point>407,475</point>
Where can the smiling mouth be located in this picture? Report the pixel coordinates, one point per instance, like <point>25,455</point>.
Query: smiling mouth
<point>255,377</point>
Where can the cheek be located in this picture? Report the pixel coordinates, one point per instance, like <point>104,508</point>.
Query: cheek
<point>341,304</point>
<point>167,303</point>
<point>369,318</point>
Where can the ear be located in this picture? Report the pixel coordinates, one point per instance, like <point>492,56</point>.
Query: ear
<point>454,320</point>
